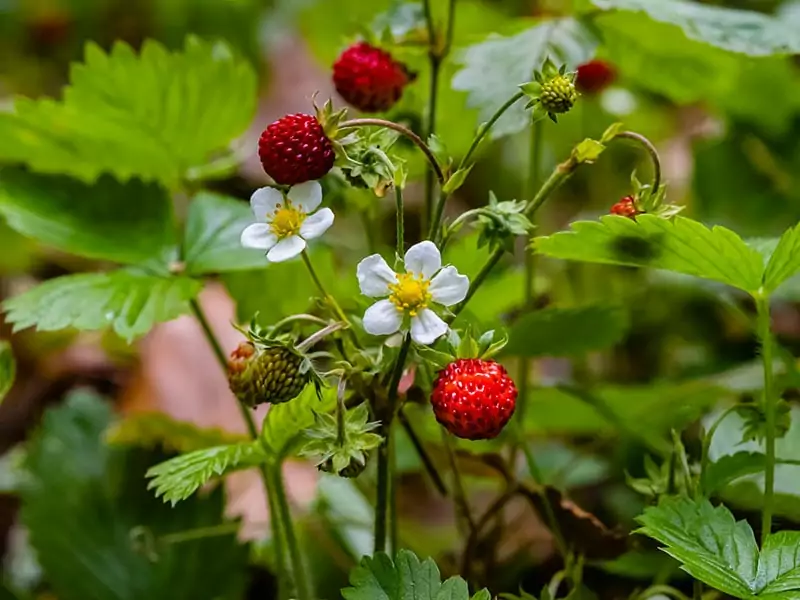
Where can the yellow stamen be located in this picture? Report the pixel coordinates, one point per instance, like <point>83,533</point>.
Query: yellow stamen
<point>410,294</point>
<point>286,220</point>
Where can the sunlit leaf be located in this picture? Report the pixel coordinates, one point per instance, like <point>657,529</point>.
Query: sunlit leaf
<point>785,260</point>
<point>154,115</point>
<point>681,245</point>
<point>493,69</point>
<point>566,331</point>
<point>126,223</point>
<point>128,302</point>
<point>284,423</point>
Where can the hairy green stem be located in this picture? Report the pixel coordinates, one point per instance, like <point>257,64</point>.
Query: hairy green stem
<point>301,581</point>
<point>770,409</point>
<point>384,450</point>
<point>400,235</point>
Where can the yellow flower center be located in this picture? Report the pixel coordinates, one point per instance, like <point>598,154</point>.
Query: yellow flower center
<point>286,220</point>
<point>410,293</point>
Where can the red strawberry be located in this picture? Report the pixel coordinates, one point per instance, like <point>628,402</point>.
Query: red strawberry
<point>594,76</point>
<point>474,398</point>
<point>626,208</point>
<point>369,78</point>
<point>295,149</point>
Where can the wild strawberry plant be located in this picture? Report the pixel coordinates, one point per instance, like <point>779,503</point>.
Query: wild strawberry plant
<point>425,337</point>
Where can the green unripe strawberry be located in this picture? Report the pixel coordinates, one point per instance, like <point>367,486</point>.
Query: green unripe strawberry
<point>558,94</point>
<point>271,374</point>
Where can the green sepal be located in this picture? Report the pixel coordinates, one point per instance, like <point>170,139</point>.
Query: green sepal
<point>755,420</point>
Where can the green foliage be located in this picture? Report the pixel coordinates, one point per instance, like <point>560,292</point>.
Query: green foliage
<point>282,430</point>
<point>379,578</point>
<point>154,115</point>
<point>722,552</point>
<point>567,331</point>
<point>126,223</point>
<point>157,430</point>
<point>785,260</point>
<point>130,302</point>
<point>8,368</point>
<point>99,534</point>
<point>213,231</point>
<point>322,440</point>
<point>681,245</point>
<point>493,69</point>
<point>180,477</point>
<point>720,473</point>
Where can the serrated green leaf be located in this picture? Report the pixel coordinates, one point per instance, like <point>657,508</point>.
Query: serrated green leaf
<point>283,425</point>
<point>731,467</point>
<point>407,578</point>
<point>122,222</point>
<point>784,261</point>
<point>157,430</point>
<point>8,368</point>
<point>456,180</point>
<point>493,69</point>
<point>681,245</point>
<point>180,477</point>
<point>98,532</point>
<point>742,31</point>
<point>779,564</point>
<point>154,115</point>
<point>567,331</point>
<point>711,544</point>
<point>484,594</point>
<point>213,232</point>
<point>128,302</point>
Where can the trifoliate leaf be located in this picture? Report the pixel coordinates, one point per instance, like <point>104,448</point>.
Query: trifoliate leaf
<point>213,233</point>
<point>122,222</point>
<point>99,533</point>
<point>784,261</point>
<point>282,430</point>
<point>154,115</point>
<point>493,69</point>
<point>681,245</point>
<point>742,31</point>
<point>156,430</point>
<point>180,477</point>
<point>379,578</point>
<point>754,420</point>
<point>128,302</point>
<point>567,331</point>
<point>8,368</point>
<point>731,467</point>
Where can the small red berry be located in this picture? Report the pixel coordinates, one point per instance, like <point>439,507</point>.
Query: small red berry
<point>474,398</point>
<point>295,149</point>
<point>369,78</point>
<point>626,208</point>
<point>594,76</point>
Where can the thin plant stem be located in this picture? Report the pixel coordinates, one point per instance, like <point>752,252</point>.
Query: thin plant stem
<point>459,493</point>
<point>707,439</point>
<point>327,297</point>
<point>384,450</point>
<point>433,95</point>
<point>651,150</point>
<point>536,474</point>
<point>394,525</point>
<point>301,581</point>
<point>475,532</point>
<point>199,533</point>
<point>770,409</point>
<point>663,590</point>
<point>427,461</point>
<point>400,221</point>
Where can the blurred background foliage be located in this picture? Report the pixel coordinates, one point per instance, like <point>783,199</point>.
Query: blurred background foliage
<point>624,356</point>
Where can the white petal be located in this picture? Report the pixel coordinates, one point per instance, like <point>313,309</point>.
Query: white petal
<point>427,327</point>
<point>317,224</point>
<point>287,248</point>
<point>449,287</point>
<point>263,202</point>
<point>258,235</point>
<point>382,318</point>
<point>307,196</point>
<point>375,276</point>
<point>423,258</point>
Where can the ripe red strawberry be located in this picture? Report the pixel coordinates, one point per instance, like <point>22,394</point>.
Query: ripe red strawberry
<point>474,398</point>
<point>295,149</point>
<point>626,208</point>
<point>594,76</point>
<point>369,78</point>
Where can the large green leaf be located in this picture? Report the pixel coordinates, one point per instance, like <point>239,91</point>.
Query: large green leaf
<point>405,578</point>
<point>99,534</point>
<point>567,331</point>
<point>493,69</point>
<point>731,467</point>
<point>741,31</point>
<point>681,245</point>
<point>128,302</point>
<point>127,223</point>
<point>213,231</point>
<point>154,115</point>
<point>8,368</point>
<point>285,422</point>
<point>180,477</point>
<point>785,260</point>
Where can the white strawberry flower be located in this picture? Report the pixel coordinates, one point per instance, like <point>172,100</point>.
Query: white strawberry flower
<point>410,295</point>
<point>285,222</point>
